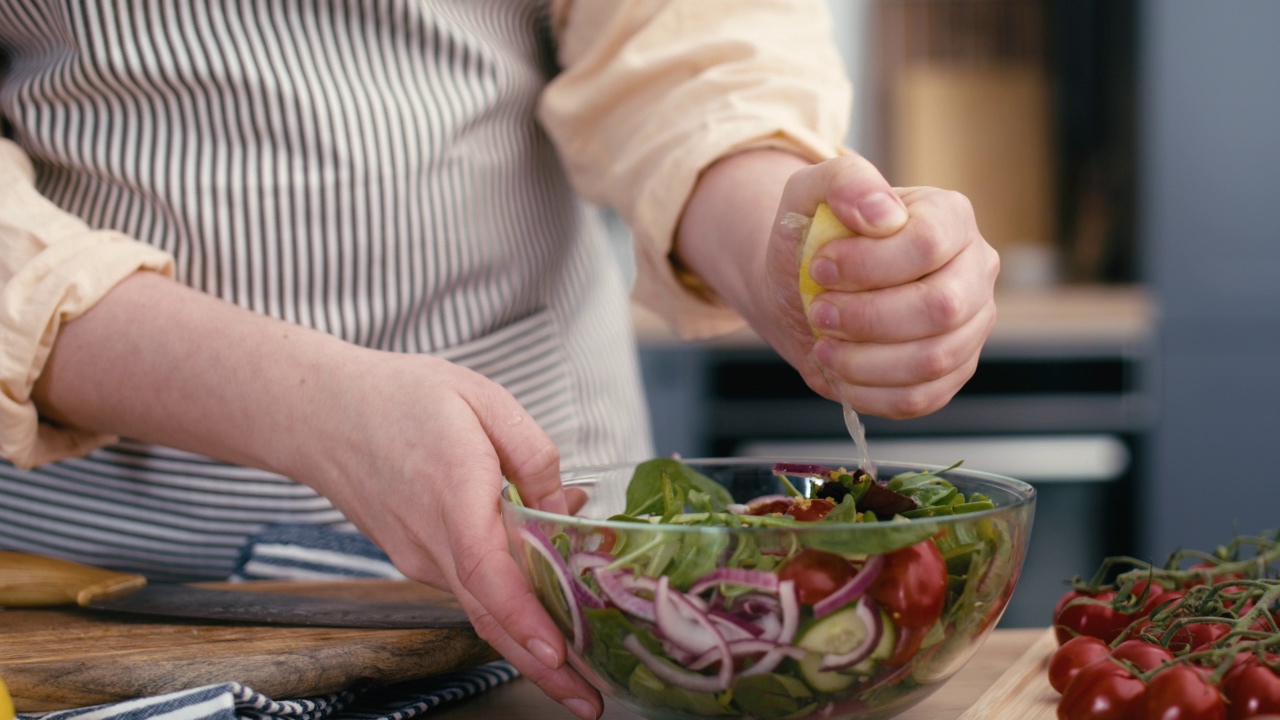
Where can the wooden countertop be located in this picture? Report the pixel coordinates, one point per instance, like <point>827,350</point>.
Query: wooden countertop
<point>1068,315</point>
<point>521,699</point>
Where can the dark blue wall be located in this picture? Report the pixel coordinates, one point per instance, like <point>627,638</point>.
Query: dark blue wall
<point>1210,216</point>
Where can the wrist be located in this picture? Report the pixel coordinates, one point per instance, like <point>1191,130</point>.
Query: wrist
<point>724,233</point>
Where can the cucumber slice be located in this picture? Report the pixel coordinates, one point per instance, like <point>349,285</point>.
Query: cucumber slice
<point>823,681</point>
<point>840,633</point>
<point>836,634</point>
<point>883,650</point>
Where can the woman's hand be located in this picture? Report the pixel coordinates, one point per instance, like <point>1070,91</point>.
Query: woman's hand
<point>411,448</point>
<point>418,470</point>
<point>909,298</point>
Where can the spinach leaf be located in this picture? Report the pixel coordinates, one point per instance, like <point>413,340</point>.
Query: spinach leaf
<point>883,538</point>
<point>771,695</point>
<point>646,493</point>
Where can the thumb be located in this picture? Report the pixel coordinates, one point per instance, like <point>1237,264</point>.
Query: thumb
<point>859,196</point>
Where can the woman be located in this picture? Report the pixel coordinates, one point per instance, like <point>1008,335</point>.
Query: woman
<point>323,262</point>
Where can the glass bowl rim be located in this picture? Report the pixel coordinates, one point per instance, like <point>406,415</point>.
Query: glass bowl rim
<point>1025,492</point>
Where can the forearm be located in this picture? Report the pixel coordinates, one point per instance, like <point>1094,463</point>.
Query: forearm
<point>157,361</point>
<point>723,236</point>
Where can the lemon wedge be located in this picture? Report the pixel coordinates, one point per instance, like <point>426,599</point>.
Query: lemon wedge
<point>6,703</point>
<point>822,229</point>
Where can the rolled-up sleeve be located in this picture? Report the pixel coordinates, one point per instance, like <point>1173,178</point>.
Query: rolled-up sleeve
<point>653,92</point>
<point>53,268</point>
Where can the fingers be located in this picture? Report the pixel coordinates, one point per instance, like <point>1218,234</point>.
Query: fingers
<point>487,580</point>
<point>528,457</point>
<point>898,365</point>
<point>934,304</point>
<point>505,612</point>
<point>941,226</point>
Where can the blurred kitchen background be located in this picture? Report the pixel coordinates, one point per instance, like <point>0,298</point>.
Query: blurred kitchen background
<point>1124,157</point>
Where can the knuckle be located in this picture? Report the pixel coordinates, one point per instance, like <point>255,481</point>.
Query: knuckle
<point>487,627</point>
<point>935,363</point>
<point>930,242</point>
<point>859,320</point>
<point>910,404</point>
<point>545,457</point>
<point>472,560</point>
<point>944,307</point>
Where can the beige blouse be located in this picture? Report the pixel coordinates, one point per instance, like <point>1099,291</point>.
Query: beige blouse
<point>649,93</point>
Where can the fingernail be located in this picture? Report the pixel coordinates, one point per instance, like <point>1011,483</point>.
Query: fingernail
<point>581,708</point>
<point>555,503</point>
<point>543,651</point>
<point>824,353</point>
<point>824,316</point>
<point>824,272</point>
<point>882,211</point>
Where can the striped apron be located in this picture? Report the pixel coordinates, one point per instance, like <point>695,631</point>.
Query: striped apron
<point>368,168</point>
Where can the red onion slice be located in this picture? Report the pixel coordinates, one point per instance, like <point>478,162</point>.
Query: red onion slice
<point>772,658</point>
<point>853,589</point>
<point>746,648</point>
<point>790,605</point>
<point>742,577</point>
<point>733,627</point>
<point>617,586</point>
<point>581,562</point>
<point>802,470</point>
<point>672,674</point>
<point>574,592</point>
<point>682,623</point>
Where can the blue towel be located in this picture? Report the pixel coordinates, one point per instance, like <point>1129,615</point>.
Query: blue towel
<point>308,552</point>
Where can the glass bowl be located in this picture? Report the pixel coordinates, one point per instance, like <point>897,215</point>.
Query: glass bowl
<point>784,617</point>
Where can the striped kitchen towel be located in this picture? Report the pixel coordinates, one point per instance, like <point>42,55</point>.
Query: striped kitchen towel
<point>303,553</point>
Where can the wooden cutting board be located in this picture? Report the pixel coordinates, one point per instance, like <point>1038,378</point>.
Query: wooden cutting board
<point>53,659</point>
<point>1023,691</point>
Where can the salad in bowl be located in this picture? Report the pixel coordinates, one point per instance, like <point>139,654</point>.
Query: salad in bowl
<point>766,589</point>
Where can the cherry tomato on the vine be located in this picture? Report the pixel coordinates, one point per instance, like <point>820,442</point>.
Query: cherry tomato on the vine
<point>1180,692</point>
<point>1145,655</point>
<point>816,573</point>
<point>1252,689</point>
<point>1095,619</point>
<point>1102,691</point>
<point>1073,656</point>
<point>912,587</point>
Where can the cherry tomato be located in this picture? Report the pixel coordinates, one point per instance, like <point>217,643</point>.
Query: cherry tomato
<point>810,509</point>
<point>1202,636</point>
<point>816,573</point>
<point>774,506</point>
<point>1102,691</point>
<point>1098,620</point>
<point>1073,656</point>
<point>1164,600</point>
<point>1145,655</point>
<point>1208,566</point>
<point>1252,689</point>
<point>1181,693</point>
<point>912,587</point>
